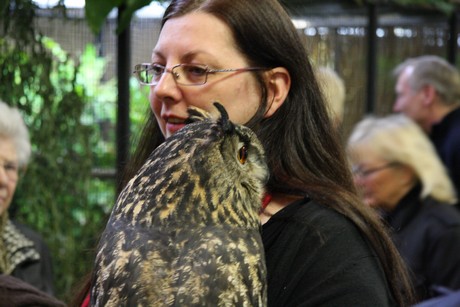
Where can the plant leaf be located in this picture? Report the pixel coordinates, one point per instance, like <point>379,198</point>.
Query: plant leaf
<point>96,12</point>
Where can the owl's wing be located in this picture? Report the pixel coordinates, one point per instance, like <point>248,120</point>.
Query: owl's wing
<point>220,266</point>
<point>207,266</point>
<point>133,267</point>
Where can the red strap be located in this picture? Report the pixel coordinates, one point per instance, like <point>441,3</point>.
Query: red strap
<point>85,301</point>
<point>266,200</point>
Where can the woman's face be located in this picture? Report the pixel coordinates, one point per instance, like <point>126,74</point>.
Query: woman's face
<point>200,38</point>
<point>8,172</point>
<point>382,184</point>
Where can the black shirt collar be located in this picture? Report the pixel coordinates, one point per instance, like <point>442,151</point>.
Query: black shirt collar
<point>405,210</point>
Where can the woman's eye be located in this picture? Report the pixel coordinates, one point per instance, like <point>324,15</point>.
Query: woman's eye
<point>195,70</point>
<point>10,167</point>
<point>157,69</point>
<point>243,154</point>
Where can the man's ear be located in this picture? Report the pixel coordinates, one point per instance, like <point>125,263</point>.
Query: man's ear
<point>279,83</point>
<point>429,94</point>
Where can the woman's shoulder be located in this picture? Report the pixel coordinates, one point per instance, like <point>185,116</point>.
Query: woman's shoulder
<point>312,214</point>
<point>310,246</point>
<point>439,214</point>
<point>28,232</point>
<point>318,225</point>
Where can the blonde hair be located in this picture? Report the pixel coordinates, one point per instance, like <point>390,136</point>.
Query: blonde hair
<point>397,138</point>
<point>12,126</point>
<point>333,89</point>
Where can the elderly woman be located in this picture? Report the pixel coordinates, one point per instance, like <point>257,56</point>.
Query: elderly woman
<point>23,254</point>
<point>400,175</point>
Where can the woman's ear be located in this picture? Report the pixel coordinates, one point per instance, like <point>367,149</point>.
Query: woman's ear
<point>407,176</point>
<point>279,83</point>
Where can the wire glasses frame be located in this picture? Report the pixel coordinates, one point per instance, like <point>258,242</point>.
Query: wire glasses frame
<point>363,173</point>
<point>184,74</point>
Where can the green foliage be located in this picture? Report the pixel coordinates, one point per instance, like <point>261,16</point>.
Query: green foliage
<point>59,171</point>
<point>96,12</point>
<point>52,197</point>
<point>71,117</point>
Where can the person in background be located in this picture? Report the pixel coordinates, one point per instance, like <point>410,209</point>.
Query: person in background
<point>23,253</point>
<point>428,91</point>
<point>401,176</point>
<point>322,246</point>
<point>333,88</point>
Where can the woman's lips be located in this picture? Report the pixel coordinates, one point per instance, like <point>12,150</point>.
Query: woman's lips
<point>174,123</point>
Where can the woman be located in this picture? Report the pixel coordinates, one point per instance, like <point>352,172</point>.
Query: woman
<point>401,176</point>
<point>23,254</point>
<point>323,248</point>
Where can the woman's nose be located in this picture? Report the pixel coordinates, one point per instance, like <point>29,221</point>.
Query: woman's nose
<point>167,79</point>
<point>166,86</point>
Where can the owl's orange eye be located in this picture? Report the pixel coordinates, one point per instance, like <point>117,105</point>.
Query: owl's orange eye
<point>243,154</point>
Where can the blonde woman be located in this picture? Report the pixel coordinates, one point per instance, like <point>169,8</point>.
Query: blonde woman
<point>398,173</point>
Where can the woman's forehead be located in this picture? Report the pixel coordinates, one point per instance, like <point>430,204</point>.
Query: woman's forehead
<point>365,153</point>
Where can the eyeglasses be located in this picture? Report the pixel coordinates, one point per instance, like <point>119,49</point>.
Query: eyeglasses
<point>359,171</point>
<point>184,74</point>
<point>10,169</point>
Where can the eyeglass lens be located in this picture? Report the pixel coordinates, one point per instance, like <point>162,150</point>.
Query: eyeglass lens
<point>184,74</point>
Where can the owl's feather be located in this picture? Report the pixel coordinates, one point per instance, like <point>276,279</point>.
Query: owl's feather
<point>185,230</point>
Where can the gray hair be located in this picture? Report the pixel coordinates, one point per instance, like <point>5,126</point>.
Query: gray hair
<point>13,127</point>
<point>435,71</point>
<point>333,88</point>
<point>396,138</point>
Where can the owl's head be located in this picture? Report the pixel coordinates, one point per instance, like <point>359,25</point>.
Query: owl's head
<point>229,146</point>
<point>215,162</point>
<point>210,171</point>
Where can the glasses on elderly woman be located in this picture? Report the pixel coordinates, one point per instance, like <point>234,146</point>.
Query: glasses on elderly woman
<point>359,171</point>
<point>184,74</point>
<point>10,169</point>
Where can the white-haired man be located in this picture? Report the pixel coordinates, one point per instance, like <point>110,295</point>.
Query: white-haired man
<point>428,91</point>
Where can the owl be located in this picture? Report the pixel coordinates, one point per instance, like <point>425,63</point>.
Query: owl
<point>185,231</point>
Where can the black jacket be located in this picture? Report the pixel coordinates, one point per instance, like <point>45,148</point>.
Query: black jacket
<point>37,273</point>
<point>427,234</point>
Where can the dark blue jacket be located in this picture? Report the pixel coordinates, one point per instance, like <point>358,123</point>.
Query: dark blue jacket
<point>446,138</point>
<point>427,234</point>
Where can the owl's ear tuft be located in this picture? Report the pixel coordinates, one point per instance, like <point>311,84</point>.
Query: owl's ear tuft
<point>196,115</point>
<point>225,122</point>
